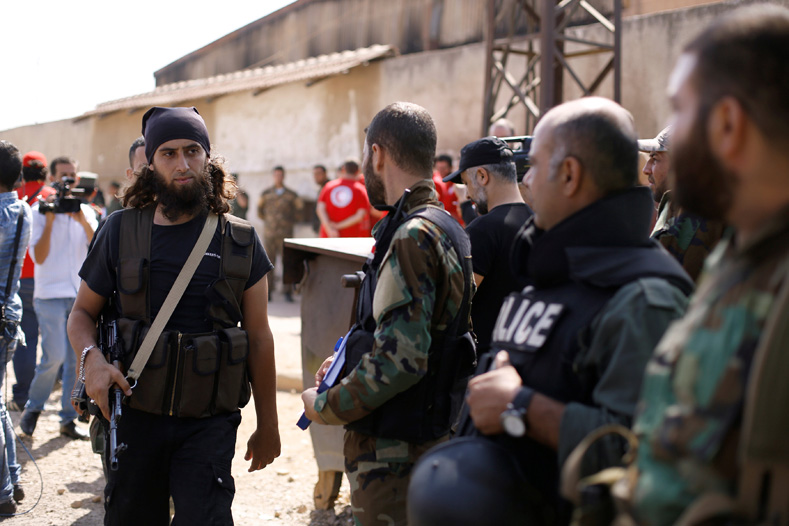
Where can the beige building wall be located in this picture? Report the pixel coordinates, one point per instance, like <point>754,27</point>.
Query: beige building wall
<point>56,138</point>
<point>651,45</point>
<point>645,7</point>
<point>448,83</point>
<point>295,126</point>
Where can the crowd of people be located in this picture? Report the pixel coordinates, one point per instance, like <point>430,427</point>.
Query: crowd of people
<point>514,340</point>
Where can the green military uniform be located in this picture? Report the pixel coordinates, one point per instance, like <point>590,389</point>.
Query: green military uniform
<point>419,292</point>
<point>687,237</point>
<point>279,208</point>
<point>692,400</point>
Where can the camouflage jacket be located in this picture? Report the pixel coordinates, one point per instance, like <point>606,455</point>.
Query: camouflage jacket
<point>693,393</point>
<point>418,293</point>
<point>687,237</point>
<point>279,209</point>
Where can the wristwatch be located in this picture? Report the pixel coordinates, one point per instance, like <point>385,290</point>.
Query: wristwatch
<point>513,419</point>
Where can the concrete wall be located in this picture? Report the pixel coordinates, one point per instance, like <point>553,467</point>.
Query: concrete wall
<point>57,138</point>
<point>650,47</point>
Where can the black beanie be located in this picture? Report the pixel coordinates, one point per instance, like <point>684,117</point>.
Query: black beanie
<point>160,125</point>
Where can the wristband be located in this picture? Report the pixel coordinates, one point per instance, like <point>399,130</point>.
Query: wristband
<point>85,352</point>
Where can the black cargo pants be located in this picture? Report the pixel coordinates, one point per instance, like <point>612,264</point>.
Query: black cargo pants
<point>186,458</point>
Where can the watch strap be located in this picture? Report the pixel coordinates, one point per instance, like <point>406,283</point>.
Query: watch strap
<point>523,398</point>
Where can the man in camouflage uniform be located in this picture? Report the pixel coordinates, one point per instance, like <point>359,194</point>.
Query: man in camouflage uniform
<point>279,208</point>
<point>415,294</point>
<point>731,141</point>
<point>687,236</point>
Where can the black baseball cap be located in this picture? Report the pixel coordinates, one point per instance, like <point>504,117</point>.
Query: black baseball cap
<point>488,150</point>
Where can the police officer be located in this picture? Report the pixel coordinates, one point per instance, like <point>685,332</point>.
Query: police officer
<point>179,422</point>
<point>712,425</point>
<point>406,365</point>
<point>570,348</point>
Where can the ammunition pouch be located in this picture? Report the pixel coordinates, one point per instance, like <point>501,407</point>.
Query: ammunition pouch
<point>189,375</point>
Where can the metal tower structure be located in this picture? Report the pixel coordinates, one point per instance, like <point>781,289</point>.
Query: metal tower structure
<point>533,43</point>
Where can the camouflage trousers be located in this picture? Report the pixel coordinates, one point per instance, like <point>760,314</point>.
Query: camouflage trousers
<point>273,246</point>
<point>379,470</point>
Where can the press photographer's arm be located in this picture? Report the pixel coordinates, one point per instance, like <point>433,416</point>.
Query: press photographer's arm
<point>100,375</point>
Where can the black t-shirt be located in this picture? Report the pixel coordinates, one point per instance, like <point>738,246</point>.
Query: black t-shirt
<point>491,238</point>
<point>170,248</point>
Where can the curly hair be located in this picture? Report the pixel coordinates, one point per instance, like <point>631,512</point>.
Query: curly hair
<point>220,189</point>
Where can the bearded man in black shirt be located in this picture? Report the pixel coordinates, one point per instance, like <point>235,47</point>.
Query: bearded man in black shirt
<point>180,419</point>
<point>487,170</point>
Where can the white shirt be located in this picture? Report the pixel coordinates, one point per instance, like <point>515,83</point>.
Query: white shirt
<point>58,275</point>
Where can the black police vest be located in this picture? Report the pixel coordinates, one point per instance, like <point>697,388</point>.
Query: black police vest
<point>427,409</point>
<point>545,330</point>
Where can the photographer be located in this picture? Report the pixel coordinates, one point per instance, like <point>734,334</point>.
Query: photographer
<point>59,246</point>
<point>15,228</point>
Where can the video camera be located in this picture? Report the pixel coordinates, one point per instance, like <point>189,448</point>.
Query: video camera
<point>65,202</point>
<point>520,156</point>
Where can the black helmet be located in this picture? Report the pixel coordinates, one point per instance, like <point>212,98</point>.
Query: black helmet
<point>467,481</point>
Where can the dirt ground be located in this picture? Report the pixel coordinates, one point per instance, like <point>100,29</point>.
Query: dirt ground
<point>64,483</point>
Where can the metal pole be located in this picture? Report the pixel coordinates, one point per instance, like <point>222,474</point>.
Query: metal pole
<point>618,50</point>
<point>547,55</point>
<point>487,98</point>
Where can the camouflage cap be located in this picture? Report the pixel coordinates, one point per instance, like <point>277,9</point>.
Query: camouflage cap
<point>658,144</point>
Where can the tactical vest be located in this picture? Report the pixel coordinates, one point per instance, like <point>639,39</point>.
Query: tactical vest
<point>546,330</point>
<point>187,375</point>
<point>427,409</point>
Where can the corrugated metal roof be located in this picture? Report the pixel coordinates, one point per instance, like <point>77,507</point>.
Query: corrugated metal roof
<point>311,69</point>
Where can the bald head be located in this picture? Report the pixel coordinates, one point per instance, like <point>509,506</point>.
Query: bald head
<point>599,133</point>
<point>502,128</point>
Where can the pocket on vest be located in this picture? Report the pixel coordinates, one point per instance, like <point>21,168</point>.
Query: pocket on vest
<point>234,389</point>
<point>199,381</point>
<point>149,394</point>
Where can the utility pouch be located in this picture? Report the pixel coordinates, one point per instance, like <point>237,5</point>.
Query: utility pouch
<point>149,393</point>
<point>200,358</point>
<point>234,388</point>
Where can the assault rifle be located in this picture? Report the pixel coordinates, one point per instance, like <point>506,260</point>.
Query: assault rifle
<point>111,347</point>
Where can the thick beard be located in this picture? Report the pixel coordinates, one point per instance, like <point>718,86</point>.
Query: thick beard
<point>375,187</point>
<point>701,184</point>
<point>176,201</point>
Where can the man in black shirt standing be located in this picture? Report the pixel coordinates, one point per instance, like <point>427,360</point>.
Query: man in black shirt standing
<point>180,418</point>
<point>487,170</point>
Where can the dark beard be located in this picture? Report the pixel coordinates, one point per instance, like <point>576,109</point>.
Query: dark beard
<point>375,187</point>
<point>176,201</point>
<point>701,184</point>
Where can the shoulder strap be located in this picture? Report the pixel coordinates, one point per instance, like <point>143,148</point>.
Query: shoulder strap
<point>183,279</point>
<point>462,245</point>
<point>32,196</point>
<point>14,259</point>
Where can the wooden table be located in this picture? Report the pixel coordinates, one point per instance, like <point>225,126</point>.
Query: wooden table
<point>317,265</point>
